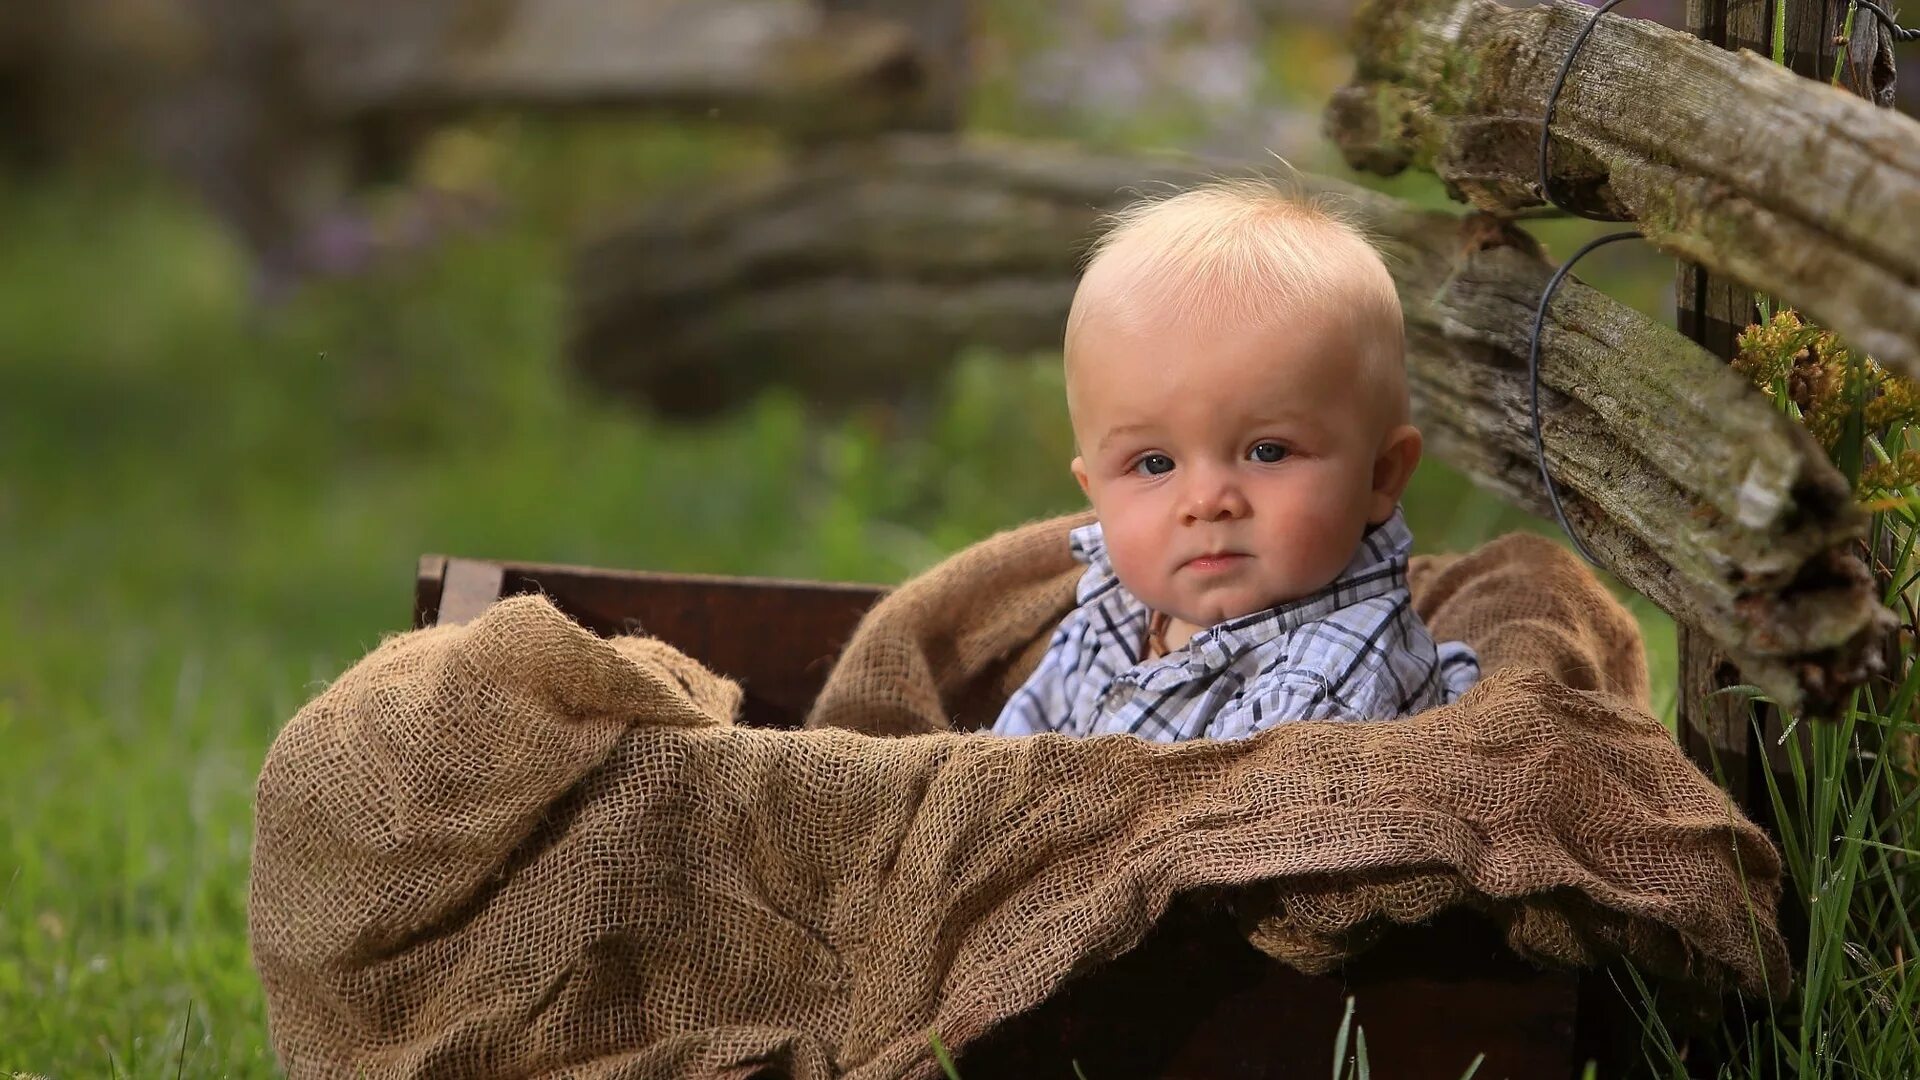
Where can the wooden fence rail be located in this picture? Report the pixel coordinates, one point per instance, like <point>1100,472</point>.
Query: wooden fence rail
<point>1805,191</point>
<point>811,69</point>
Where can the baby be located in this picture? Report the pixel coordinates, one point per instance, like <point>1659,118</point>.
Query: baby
<point>1236,383</point>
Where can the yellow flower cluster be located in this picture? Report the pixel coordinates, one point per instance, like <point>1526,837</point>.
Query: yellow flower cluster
<point>1896,475</point>
<point>1801,364</point>
<point>1898,404</point>
<point>1810,373</point>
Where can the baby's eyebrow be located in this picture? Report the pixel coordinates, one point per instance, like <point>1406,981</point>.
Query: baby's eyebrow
<point>1123,429</point>
<point>1294,421</point>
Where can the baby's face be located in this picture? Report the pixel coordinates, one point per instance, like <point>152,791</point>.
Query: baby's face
<point>1231,469</point>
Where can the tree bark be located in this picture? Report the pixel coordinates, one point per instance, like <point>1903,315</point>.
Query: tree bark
<point>1806,192</point>
<point>859,273</point>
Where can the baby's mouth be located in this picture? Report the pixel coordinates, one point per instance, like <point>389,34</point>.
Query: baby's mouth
<point>1219,560</point>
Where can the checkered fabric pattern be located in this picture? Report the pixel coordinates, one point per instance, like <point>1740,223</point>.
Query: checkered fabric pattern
<point>1355,650</point>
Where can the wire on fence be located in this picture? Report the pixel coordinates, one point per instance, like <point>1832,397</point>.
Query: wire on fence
<point>1898,32</point>
<point>1559,275</point>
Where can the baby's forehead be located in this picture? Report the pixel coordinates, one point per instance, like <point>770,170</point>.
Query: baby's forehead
<point>1131,294</point>
<point>1176,320</point>
<point>1136,367</point>
<point>1128,358</point>
<point>1134,313</point>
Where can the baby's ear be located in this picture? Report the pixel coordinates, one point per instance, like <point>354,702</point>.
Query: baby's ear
<point>1392,468</point>
<point>1079,468</point>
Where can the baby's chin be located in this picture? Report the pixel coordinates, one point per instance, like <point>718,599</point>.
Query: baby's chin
<point>1212,611</point>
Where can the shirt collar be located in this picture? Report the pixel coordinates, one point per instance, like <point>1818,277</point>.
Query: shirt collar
<point>1378,566</point>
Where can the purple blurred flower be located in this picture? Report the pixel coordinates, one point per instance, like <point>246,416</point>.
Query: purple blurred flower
<point>1114,57</point>
<point>340,242</point>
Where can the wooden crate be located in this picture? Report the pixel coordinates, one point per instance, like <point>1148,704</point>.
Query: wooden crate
<point>1192,1001</point>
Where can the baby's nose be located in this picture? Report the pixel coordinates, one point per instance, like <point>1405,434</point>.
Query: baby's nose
<point>1216,500</point>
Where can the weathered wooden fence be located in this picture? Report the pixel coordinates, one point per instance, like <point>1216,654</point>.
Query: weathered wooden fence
<point>815,68</point>
<point>864,266</point>
<point>1755,175</point>
<point>1726,159</point>
<point>276,110</point>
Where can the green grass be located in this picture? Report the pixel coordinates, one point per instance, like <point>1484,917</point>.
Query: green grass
<point>1848,824</point>
<point>206,514</point>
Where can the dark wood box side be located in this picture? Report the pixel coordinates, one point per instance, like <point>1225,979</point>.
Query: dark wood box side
<point>777,638</point>
<point>1195,1002</point>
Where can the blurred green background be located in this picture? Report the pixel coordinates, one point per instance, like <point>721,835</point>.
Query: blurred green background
<point>211,504</point>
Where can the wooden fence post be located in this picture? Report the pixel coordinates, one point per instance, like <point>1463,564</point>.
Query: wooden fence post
<point>1712,310</point>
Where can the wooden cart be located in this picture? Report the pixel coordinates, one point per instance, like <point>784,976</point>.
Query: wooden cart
<point>1195,1000</point>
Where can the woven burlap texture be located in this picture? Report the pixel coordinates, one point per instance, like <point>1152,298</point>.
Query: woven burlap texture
<point>514,848</point>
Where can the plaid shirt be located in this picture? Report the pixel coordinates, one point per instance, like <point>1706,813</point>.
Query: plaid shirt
<point>1353,650</point>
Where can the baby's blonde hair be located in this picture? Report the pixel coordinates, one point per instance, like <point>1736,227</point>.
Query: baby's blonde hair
<point>1254,252</point>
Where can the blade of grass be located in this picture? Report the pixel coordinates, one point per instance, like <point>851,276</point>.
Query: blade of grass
<point>1340,1043</point>
<point>180,1062</point>
<point>940,1055</point>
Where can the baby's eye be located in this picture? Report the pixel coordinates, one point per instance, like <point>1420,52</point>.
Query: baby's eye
<point>1154,465</point>
<point>1268,452</point>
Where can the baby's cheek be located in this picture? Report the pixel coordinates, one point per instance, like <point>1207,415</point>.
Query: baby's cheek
<point>1319,537</point>
<point>1132,561</point>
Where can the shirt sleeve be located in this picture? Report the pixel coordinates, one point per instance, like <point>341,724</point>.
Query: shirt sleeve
<point>1040,705</point>
<point>1279,698</point>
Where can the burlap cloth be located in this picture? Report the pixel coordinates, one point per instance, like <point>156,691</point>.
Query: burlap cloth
<point>513,848</point>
